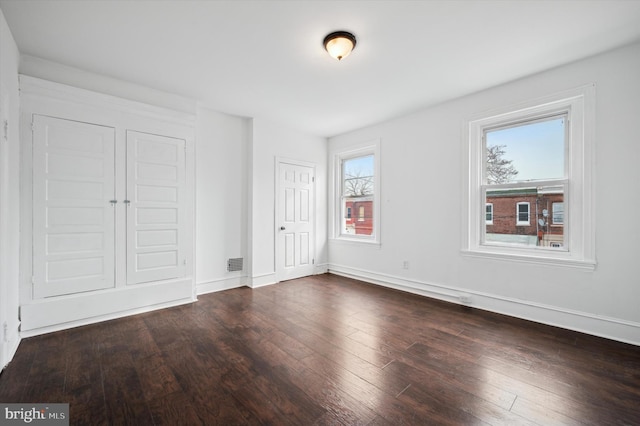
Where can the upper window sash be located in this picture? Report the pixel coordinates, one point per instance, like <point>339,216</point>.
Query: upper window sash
<point>532,119</point>
<point>562,113</point>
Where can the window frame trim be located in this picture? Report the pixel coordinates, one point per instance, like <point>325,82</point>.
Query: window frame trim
<point>518,221</point>
<point>579,201</point>
<point>372,147</point>
<point>553,222</point>
<point>488,222</point>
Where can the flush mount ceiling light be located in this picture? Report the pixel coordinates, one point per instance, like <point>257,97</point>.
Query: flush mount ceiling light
<point>339,44</point>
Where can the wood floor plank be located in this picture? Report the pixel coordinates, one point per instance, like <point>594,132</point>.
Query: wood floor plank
<point>156,378</point>
<point>83,381</point>
<point>542,415</point>
<point>124,395</point>
<point>343,407</point>
<point>80,415</point>
<point>213,408</point>
<point>447,390</point>
<point>326,350</point>
<point>447,373</point>
<point>431,409</point>
<point>13,380</point>
<point>46,378</point>
<point>173,409</point>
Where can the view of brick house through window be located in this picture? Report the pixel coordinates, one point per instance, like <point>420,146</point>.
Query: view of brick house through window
<point>525,183</point>
<point>358,195</point>
<point>543,228</point>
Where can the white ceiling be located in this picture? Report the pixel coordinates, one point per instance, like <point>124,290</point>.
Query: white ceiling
<point>266,59</point>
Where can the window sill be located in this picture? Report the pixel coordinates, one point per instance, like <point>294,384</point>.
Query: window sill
<point>355,241</point>
<point>537,259</point>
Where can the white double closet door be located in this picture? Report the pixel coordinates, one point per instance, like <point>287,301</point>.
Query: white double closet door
<point>79,224</point>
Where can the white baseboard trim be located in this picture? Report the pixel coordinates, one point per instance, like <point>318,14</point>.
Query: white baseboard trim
<point>58,313</point>
<point>101,318</point>
<point>584,322</point>
<point>263,280</point>
<point>220,285</point>
<point>398,283</point>
<point>321,268</point>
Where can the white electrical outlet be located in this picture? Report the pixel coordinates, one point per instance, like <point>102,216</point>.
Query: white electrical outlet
<point>405,264</point>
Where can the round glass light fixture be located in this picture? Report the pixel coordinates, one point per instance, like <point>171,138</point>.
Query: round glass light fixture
<point>339,44</point>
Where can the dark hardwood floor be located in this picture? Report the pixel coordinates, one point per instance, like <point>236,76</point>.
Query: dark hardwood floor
<point>327,350</point>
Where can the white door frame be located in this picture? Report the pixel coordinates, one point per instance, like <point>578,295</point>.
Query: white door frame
<point>4,145</point>
<point>276,226</point>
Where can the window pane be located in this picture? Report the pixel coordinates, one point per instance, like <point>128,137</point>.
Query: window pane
<point>523,213</point>
<point>360,223</point>
<point>558,213</point>
<point>358,176</point>
<point>522,217</point>
<point>357,194</point>
<point>532,151</point>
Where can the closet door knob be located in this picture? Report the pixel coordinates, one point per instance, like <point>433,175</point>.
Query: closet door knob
<point>113,202</point>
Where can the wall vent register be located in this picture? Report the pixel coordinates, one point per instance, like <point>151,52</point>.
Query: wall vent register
<point>234,264</point>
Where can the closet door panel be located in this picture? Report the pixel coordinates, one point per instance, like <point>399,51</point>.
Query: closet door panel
<point>155,188</point>
<point>73,217</point>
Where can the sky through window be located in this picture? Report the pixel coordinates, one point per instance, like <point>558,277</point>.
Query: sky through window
<point>536,150</point>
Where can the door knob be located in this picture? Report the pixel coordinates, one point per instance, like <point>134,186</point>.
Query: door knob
<point>282,228</point>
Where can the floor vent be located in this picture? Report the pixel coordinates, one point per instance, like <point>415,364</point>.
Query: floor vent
<point>234,264</point>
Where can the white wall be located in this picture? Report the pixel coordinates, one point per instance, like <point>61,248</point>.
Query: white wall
<point>9,194</point>
<point>53,71</point>
<point>422,156</point>
<point>222,143</point>
<point>271,140</point>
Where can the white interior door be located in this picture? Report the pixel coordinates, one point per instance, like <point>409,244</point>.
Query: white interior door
<point>155,192</point>
<point>73,216</point>
<point>295,221</point>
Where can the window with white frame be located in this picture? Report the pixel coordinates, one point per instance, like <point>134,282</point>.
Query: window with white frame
<point>557,213</point>
<point>522,214</point>
<point>356,202</point>
<point>489,214</point>
<point>533,164</point>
